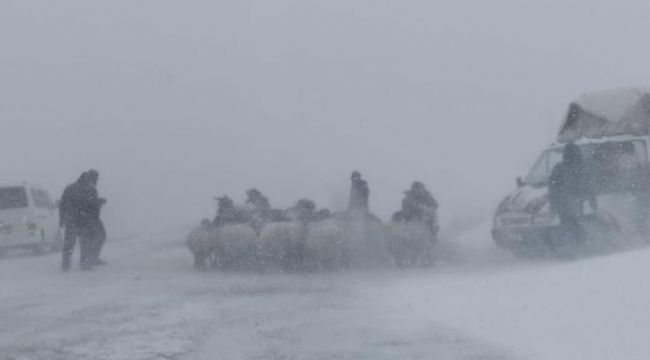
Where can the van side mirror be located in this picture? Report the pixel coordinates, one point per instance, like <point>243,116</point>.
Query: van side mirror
<point>519,181</point>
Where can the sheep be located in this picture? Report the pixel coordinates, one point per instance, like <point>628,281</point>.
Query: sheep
<point>409,244</point>
<point>282,245</point>
<point>202,244</point>
<point>327,246</point>
<point>234,246</point>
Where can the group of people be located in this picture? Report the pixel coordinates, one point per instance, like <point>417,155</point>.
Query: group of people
<point>418,205</point>
<point>80,210</point>
<point>258,211</point>
<point>79,217</point>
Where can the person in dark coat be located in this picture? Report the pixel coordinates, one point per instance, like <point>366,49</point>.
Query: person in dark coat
<point>97,229</point>
<point>228,213</point>
<point>78,212</point>
<point>68,221</point>
<point>359,193</point>
<point>417,201</point>
<point>306,211</point>
<point>569,188</point>
<point>419,206</point>
<point>256,199</point>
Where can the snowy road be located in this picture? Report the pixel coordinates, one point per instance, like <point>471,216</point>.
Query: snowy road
<point>149,304</point>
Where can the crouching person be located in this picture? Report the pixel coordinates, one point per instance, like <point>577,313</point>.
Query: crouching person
<point>201,245</point>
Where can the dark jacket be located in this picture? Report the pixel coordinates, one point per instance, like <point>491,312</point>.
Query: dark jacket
<point>80,204</point>
<point>415,203</point>
<point>569,185</point>
<point>359,195</point>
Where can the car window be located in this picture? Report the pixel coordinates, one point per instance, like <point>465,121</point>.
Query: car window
<point>13,198</point>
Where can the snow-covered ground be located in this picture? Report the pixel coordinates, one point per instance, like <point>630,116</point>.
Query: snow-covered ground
<point>149,304</point>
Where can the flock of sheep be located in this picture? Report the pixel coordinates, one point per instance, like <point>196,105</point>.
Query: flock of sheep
<point>335,242</point>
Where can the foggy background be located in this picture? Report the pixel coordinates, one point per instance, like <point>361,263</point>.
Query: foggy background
<point>175,102</point>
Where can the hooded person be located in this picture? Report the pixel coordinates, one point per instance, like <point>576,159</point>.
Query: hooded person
<point>228,213</point>
<point>96,228</point>
<point>419,206</point>
<point>569,188</point>
<point>359,193</point>
<point>68,220</point>
<point>306,211</point>
<point>256,199</point>
<point>78,214</point>
<point>416,201</point>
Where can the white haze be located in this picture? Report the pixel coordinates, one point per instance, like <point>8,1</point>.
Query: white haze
<point>174,102</point>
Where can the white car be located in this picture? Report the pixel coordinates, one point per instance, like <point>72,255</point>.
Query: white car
<point>28,219</point>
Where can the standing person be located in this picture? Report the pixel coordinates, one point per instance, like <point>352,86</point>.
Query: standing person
<point>97,231</point>
<point>256,199</point>
<point>359,193</point>
<point>569,188</point>
<point>68,220</point>
<point>228,213</point>
<point>78,212</point>
<point>419,205</point>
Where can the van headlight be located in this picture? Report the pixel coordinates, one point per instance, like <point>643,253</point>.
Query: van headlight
<point>544,218</point>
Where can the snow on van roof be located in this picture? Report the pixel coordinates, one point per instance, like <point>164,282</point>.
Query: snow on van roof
<point>595,115</point>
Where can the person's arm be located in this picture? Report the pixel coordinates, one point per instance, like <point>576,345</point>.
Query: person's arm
<point>431,201</point>
<point>434,203</point>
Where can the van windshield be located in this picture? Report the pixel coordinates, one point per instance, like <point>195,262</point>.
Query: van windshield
<point>13,198</point>
<point>611,164</point>
<point>541,171</point>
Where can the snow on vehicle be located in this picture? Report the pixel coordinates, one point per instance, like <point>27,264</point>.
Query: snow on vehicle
<point>28,219</point>
<point>612,128</point>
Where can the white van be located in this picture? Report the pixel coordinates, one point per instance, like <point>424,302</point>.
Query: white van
<point>612,129</point>
<point>28,219</point>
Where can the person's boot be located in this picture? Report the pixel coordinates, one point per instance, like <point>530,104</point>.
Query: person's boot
<point>86,264</point>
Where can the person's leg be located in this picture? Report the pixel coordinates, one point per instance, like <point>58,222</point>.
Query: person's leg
<point>99,240</point>
<point>569,226</point>
<point>86,246</point>
<point>69,239</point>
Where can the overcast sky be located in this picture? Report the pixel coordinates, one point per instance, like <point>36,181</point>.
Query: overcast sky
<point>177,101</point>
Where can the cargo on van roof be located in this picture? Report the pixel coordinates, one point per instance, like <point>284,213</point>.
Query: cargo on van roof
<point>601,114</point>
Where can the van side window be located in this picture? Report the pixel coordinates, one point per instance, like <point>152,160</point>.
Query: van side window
<point>41,199</point>
<point>13,198</point>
